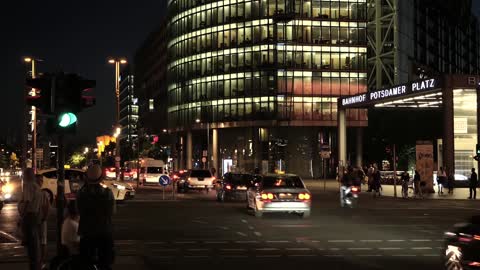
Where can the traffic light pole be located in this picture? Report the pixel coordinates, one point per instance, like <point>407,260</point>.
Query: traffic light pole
<point>60,190</point>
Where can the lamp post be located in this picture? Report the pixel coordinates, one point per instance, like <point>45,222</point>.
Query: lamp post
<point>208,142</point>
<point>117,62</point>
<point>32,61</point>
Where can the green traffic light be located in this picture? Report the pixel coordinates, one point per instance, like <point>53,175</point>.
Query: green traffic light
<point>67,119</point>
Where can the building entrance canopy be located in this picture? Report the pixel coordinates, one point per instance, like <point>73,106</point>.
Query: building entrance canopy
<point>426,93</point>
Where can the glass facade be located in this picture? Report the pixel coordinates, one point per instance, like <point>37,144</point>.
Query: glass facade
<point>233,61</point>
<point>465,130</point>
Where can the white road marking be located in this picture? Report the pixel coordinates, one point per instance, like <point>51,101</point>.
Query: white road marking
<point>399,240</point>
<point>369,255</point>
<point>390,248</point>
<point>277,241</point>
<point>246,242</point>
<point>198,249</point>
<point>234,256</point>
<point>251,227</point>
<point>184,242</point>
<point>164,249</point>
<point>371,241</point>
<point>232,249</point>
<point>244,221</point>
<point>333,255</point>
<point>268,256</point>
<point>223,228</point>
<point>431,255</point>
<point>360,248</point>
<point>264,249</point>
<point>403,255</point>
<point>156,243</point>
<point>258,233</point>
<point>241,234</point>
<point>293,226</point>
<point>301,255</point>
<point>421,248</point>
<point>200,222</point>
<point>420,240</point>
<point>334,249</point>
<point>341,241</point>
<point>297,249</point>
<point>315,241</point>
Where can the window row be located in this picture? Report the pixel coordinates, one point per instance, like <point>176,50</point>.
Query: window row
<point>267,85</point>
<point>253,35</point>
<point>251,10</point>
<point>266,59</point>
<point>263,111</point>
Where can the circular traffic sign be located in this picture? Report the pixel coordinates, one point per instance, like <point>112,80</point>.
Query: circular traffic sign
<point>164,180</point>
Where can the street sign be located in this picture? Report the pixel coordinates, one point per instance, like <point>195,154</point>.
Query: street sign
<point>164,180</point>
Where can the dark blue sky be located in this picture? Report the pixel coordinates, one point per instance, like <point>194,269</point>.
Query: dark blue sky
<point>73,36</point>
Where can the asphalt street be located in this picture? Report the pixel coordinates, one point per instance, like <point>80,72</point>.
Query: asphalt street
<point>196,231</point>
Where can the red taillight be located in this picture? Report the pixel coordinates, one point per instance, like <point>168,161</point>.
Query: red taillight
<point>175,176</point>
<point>304,196</point>
<point>228,187</point>
<point>355,189</point>
<point>474,263</point>
<point>267,196</point>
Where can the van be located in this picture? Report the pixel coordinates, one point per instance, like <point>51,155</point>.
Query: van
<point>151,170</point>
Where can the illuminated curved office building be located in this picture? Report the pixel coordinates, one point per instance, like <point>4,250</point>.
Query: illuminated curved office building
<point>254,83</point>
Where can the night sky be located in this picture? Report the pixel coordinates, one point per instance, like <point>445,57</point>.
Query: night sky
<point>72,36</point>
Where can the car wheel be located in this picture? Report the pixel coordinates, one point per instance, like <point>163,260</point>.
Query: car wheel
<point>305,214</point>
<point>452,262</point>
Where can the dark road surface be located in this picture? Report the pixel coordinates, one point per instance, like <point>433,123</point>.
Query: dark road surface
<point>196,232</point>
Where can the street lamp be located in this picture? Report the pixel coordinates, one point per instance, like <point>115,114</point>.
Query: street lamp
<point>117,62</point>
<point>32,61</point>
<point>198,121</point>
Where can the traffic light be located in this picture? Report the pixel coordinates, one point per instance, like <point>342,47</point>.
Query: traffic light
<point>67,119</point>
<point>43,99</point>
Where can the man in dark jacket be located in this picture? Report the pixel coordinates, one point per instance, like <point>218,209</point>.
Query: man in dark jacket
<point>473,184</point>
<point>96,205</point>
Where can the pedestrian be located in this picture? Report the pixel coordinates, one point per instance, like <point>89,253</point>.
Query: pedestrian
<point>451,183</point>
<point>44,211</point>
<point>441,180</point>
<point>96,206</point>
<point>29,210</point>
<point>70,238</point>
<point>473,184</point>
<point>359,174</point>
<point>377,182</point>
<point>416,184</point>
<point>370,173</point>
<point>405,180</point>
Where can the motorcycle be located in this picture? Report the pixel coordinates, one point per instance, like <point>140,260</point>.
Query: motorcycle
<point>350,196</point>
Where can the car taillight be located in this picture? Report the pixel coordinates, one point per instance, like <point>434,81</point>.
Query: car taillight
<point>266,196</point>
<point>304,196</point>
<point>228,187</point>
<point>355,189</point>
<point>175,176</point>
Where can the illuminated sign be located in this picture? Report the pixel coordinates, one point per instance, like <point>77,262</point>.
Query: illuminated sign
<point>391,93</point>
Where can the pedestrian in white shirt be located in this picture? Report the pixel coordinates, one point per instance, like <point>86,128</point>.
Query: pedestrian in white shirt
<point>70,237</point>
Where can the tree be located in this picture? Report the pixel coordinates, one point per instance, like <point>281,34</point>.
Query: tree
<point>77,160</point>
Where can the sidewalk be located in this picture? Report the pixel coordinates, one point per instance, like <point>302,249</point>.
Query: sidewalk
<point>388,190</point>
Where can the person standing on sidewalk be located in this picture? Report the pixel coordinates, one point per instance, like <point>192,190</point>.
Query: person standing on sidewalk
<point>473,184</point>
<point>370,173</point>
<point>96,206</point>
<point>29,209</point>
<point>416,184</point>
<point>441,180</point>
<point>451,183</point>
<point>44,211</point>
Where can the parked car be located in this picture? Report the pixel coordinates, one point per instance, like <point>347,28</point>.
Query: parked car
<point>234,186</point>
<point>461,248</point>
<point>200,179</point>
<point>279,193</point>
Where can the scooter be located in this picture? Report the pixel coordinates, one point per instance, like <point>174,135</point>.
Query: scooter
<point>350,196</point>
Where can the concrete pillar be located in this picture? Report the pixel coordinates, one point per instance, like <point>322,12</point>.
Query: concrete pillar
<point>342,138</point>
<point>189,150</point>
<point>359,147</point>
<point>215,149</point>
<point>448,137</point>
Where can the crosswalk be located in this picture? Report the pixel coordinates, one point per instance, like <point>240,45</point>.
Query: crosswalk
<point>254,248</point>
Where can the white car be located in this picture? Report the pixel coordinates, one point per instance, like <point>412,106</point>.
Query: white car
<point>200,179</point>
<point>119,186</point>
<point>74,180</point>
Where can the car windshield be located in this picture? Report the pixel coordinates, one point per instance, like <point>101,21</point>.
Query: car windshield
<point>154,170</point>
<point>201,173</point>
<point>282,182</point>
<point>240,179</point>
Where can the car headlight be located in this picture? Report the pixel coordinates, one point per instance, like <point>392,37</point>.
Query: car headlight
<point>119,187</point>
<point>8,188</point>
<point>103,185</point>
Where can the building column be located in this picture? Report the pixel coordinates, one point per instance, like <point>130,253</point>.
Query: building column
<point>215,149</point>
<point>189,150</point>
<point>342,140</point>
<point>448,136</point>
<point>359,146</point>
<point>181,159</point>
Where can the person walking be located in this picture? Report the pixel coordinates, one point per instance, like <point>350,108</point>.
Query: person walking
<point>405,180</point>
<point>96,206</point>
<point>377,182</point>
<point>70,238</point>
<point>416,184</point>
<point>451,183</point>
<point>44,211</point>
<point>370,173</point>
<point>473,184</point>
<point>29,209</point>
<point>441,180</point>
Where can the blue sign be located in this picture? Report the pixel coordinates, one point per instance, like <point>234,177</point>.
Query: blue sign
<point>164,180</point>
